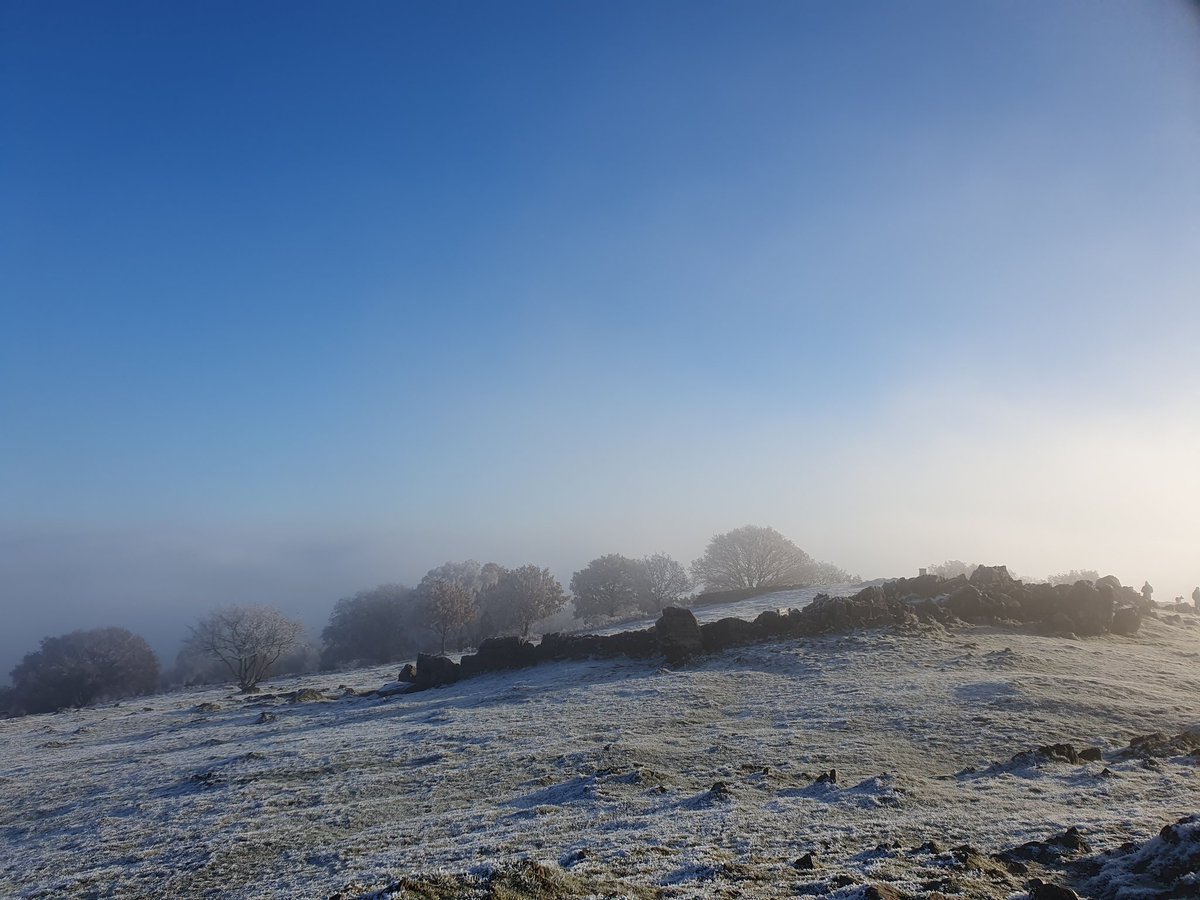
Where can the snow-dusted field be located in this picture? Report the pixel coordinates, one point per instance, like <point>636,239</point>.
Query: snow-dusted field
<point>607,769</point>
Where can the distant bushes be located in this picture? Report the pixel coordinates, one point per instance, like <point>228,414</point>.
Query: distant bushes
<point>79,668</point>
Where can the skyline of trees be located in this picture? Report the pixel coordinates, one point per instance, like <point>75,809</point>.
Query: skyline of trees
<point>457,601</point>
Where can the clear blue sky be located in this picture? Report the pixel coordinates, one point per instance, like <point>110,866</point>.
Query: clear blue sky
<point>297,297</point>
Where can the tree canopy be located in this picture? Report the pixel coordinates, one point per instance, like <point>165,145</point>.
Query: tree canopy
<point>84,667</point>
<point>754,557</point>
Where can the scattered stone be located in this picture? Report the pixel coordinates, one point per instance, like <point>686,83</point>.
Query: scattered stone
<point>303,695</point>
<point>829,777</point>
<point>881,892</point>
<point>1164,745</point>
<point>720,789</point>
<point>805,862</point>
<point>1091,754</point>
<point>264,717</point>
<point>1164,866</point>
<point>1052,850</point>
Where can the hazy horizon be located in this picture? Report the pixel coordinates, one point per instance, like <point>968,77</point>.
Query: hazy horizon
<point>293,305</point>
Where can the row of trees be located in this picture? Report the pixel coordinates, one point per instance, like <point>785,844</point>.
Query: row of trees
<point>457,603</point>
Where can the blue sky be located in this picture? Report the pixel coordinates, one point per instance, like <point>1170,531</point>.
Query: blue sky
<point>299,297</point>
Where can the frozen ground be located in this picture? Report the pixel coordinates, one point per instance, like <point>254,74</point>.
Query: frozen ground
<point>606,769</point>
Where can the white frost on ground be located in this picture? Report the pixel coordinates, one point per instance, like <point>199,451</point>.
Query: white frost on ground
<point>605,767</point>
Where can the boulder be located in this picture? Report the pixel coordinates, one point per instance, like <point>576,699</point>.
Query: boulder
<point>433,671</point>
<point>567,646</point>
<point>1090,608</point>
<point>869,608</point>
<point>966,602</point>
<point>1126,620</point>
<point>678,634</point>
<point>728,632</point>
<point>1040,890</point>
<point>992,576</point>
<point>772,623</point>
<point>499,653</point>
<point>1038,602</point>
<point>1111,581</point>
<point>633,644</point>
<point>408,673</point>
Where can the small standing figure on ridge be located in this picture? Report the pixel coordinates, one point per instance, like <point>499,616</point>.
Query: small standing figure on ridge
<point>1147,595</point>
<point>1196,598</point>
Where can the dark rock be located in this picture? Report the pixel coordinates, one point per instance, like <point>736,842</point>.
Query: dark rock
<point>408,673</point>
<point>1039,602</point>
<point>433,671</point>
<point>925,586</point>
<point>1051,850</point>
<point>869,608</point>
<point>636,644</point>
<point>966,603</point>
<point>678,634</point>
<point>264,717</point>
<point>1089,608</point>
<point>497,653</point>
<point>829,777</point>
<point>1126,620</point>
<point>1164,745</point>
<point>1091,754</point>
<point>992,576</point>
<point>1060,752</point>
<point>881,892</point>
<point>303,695</point>
<point>771,623</point>
<point>208,706</point>
<point>1111,581</point>
<point>728,632</point>
<point>805,862</point>
<point>1040,890</point>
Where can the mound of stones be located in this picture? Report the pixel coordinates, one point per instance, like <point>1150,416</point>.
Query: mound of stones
<point>990,596</point>
<point>1167,865</point>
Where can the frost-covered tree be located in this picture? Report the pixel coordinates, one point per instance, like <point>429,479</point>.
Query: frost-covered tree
<point>521,597</point>
<point>609,586</point>
<point>447,607</point>
<point>750,557</point>
<point>83,667</point>
<point>1073,576</point>
<point>666,582</point>
<point>248,640</point>
<point>757,557</point>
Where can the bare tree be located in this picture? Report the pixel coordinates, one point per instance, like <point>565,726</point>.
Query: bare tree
<point>247,639</point>
<point>750,557</point>
<point>448,606</point>
<point>665,582</point>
